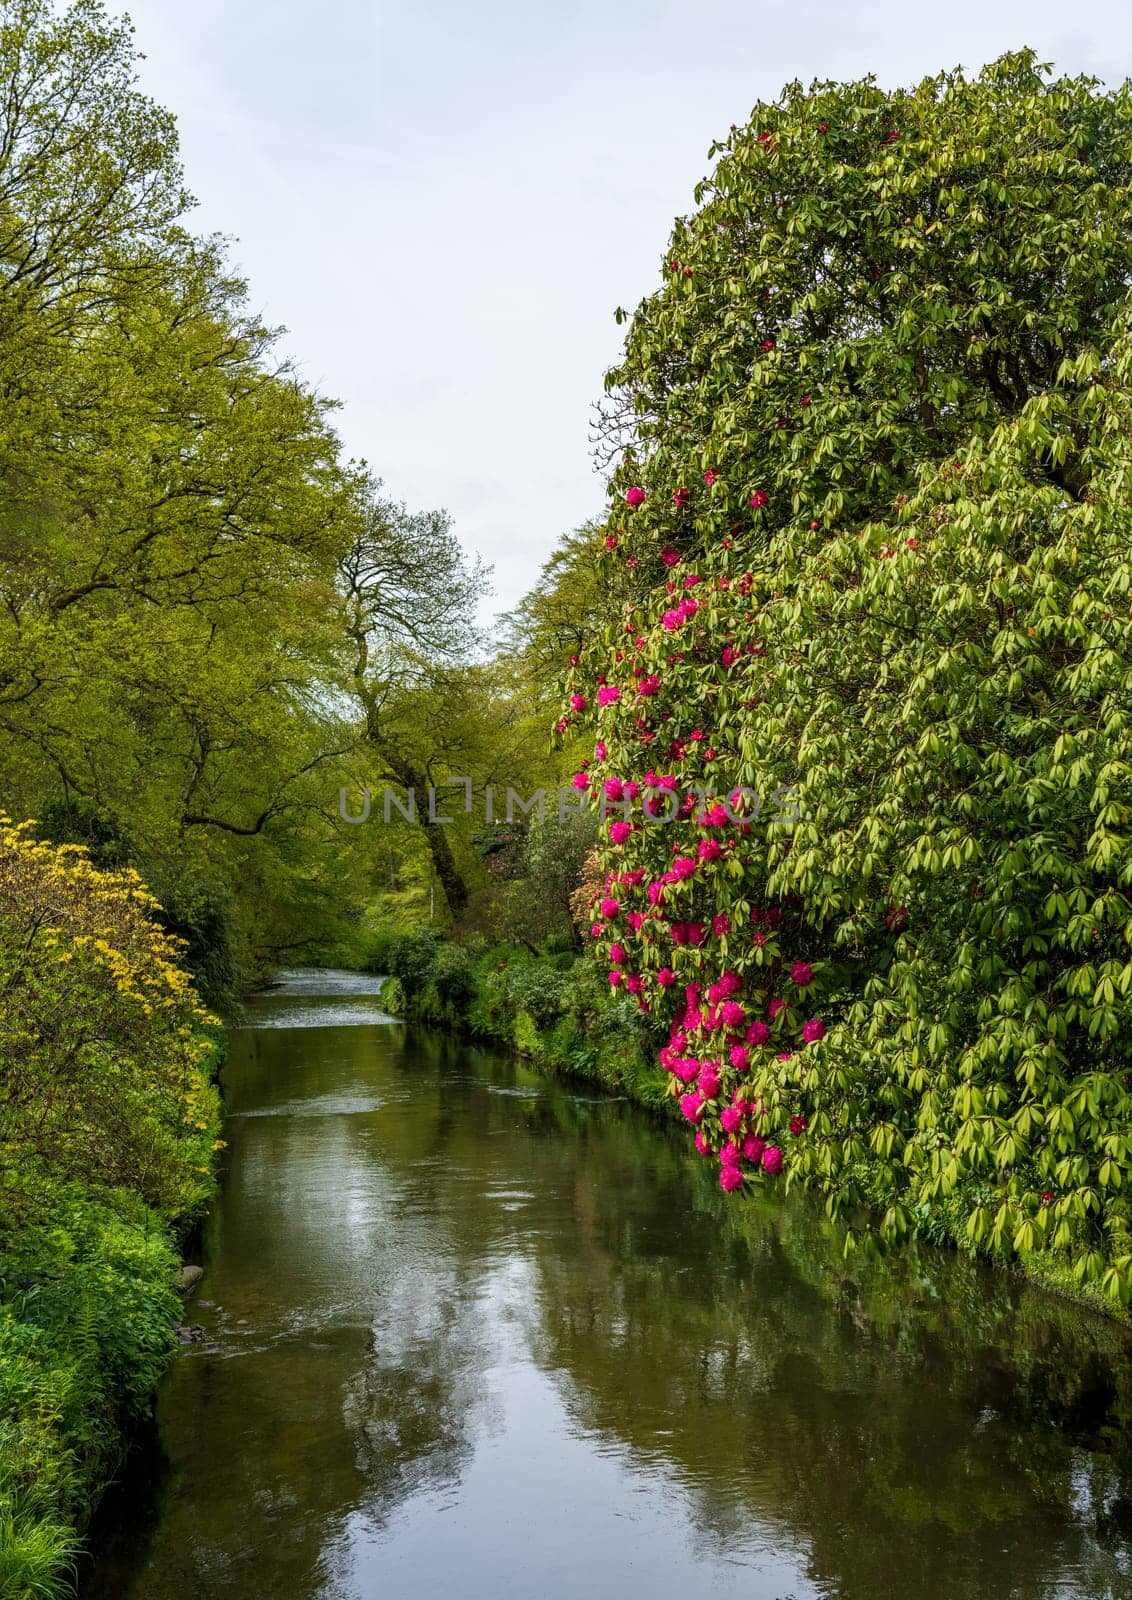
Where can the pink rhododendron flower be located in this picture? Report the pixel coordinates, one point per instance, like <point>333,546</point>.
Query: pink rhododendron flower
<point>709,850</point>
<point>801,973</point>
<point>759,499</point>
<point>620,831</point>
<point>730,1118</point>
<point>772,1160</point>
<point>813,1030</point>
<point>666,977</point>
<point>720,924</point>
<point>634,496</point>
<point>610,908</point>
<point>580,780</point>
<point>730,1155</point>
<point>634,983</point>
<point>702,1143</point>
<point>732,1014</point>
<point>798,1125</point>
<point>597,930</point>
<point>753,1147</point>
<point>617,954</point>
<point>709,1081</point>
<point>758,1033</point>
<point>615,978</point>
<point>740,1058</point>
<point>691,1105</point>
<point>775,1007</point>
<point>599,751</point>
<point>577,702</point>
<point>680,498</point>
<point>669,556</point>
<point>730,1179</point>
<point>611,541</point>
<point>684,867</point>
<point>710,477</point>
<point>649,684</point>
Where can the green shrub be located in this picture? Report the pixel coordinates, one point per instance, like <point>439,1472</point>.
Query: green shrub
<point>876,421</point>
<point>409,959</point>
<point>452,976</point>
<point>539,990</point>
<point>86,1312</point>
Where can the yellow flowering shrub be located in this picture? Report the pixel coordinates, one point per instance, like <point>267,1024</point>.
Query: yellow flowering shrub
<point>102,1050</point>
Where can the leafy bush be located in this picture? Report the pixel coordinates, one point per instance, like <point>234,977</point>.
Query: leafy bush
<point>873,543</point>
<point>452,977</point>
<point>409,958</point>
<point>537,907</point>
<point>86,1313</point>
<point>100,1032</point>
<point>199,914</point>
<point>539,990</point>
<point>108,1119</point>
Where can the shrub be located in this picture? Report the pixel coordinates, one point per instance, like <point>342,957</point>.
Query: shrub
<point>86,1313</point>
<point>100,1033</point>
<point>872,542</point>
<point>539,990</point>
<point>409,959</point>
<point>453,978</point>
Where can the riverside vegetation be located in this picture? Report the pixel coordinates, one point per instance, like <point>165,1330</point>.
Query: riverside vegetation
<point>108,1127</point>
<point>867,538</point>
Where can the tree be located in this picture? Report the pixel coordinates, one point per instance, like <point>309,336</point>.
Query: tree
<point>409,597</point>
<point>174,505</point>
<point>875,492</point>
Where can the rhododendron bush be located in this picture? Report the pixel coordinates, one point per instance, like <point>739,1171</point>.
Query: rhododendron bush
<point>860,715</point>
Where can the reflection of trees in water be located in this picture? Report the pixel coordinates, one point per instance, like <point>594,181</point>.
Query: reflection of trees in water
<point>421,1399</point>
<point>898,1418</point>
<point>899,1421</point>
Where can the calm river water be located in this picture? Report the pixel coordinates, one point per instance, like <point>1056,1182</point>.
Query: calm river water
<point>467,1332</point>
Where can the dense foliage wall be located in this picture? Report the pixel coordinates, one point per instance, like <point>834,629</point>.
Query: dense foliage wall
<point>861,714</point>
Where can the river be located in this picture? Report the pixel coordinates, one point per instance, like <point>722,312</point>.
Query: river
<point>469,1332</point>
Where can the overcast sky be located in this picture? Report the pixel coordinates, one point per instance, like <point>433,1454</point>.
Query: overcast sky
<point>445,200</point>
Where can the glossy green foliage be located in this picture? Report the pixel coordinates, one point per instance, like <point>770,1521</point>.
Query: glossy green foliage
<point>877,425</point>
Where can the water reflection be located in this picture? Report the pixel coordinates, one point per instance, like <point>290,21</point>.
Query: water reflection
<point>466,1328</point>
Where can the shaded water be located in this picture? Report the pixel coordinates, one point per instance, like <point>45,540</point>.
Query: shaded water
<point>470,1332</point>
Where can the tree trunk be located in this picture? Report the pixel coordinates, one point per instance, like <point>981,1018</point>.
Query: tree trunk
<point>444,862</point>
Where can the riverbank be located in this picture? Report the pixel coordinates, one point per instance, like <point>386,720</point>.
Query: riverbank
<point>554,1010</point>
<point>88,1311</point>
